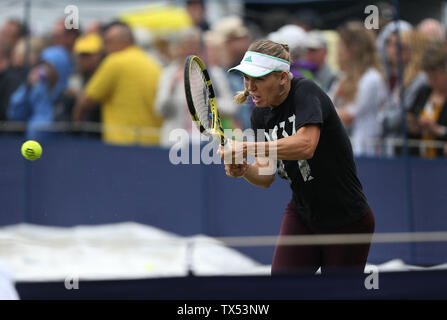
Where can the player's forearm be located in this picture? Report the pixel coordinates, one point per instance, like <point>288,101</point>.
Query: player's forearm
<point>290,148</point>
<point>300,146</point>
<point>259,176</point>
<point>294,148</point>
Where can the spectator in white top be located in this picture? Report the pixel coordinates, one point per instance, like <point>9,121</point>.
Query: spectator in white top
<point>360,92</point>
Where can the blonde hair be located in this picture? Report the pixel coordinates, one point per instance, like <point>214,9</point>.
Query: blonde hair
<point>19,52</point>
<point>271,48</point>
<point>417,44</point>
<point>360,42</point>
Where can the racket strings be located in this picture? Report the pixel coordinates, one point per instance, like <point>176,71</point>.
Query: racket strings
<point>200,95</point>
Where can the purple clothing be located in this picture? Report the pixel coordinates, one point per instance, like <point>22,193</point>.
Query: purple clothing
<point>299,67</point>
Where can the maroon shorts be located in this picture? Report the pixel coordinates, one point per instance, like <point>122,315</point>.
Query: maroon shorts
<point>309,258</point>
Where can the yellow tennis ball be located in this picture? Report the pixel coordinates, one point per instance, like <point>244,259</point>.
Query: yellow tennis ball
<point>31,150</point>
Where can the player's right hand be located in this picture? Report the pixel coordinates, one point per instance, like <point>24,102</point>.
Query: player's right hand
<point>236,170</point>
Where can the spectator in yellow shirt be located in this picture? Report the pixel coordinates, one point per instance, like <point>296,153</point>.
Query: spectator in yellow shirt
<point>125,85</point>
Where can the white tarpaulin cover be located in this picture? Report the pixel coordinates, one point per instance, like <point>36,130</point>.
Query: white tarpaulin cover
<point>123,251</point>
<point>115,251</point>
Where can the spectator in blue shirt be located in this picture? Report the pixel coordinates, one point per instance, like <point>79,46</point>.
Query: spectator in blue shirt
<point>34,100</point>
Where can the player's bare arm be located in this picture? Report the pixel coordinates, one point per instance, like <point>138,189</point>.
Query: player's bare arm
<point>300,146</point>
<point>261,173</point>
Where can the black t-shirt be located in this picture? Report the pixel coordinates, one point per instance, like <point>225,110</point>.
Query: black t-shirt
<point>326,190</point>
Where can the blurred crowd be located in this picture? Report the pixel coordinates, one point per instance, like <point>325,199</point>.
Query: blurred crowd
<point>125,86</point>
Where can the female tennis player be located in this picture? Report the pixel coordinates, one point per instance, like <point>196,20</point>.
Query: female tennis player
<point>313,152</point>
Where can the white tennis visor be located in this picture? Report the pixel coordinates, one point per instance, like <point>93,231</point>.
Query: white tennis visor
<point>256,64</point>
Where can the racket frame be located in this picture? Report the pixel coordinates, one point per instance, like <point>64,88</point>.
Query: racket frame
<point>216,130</point>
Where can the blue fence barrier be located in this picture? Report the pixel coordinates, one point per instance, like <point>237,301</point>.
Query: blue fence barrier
<point>85,182</point>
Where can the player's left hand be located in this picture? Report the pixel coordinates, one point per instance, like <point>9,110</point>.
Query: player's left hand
<point>236,170</point>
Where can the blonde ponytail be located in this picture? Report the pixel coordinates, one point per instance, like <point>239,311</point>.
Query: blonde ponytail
<point>241,97</point>
<point>286,47</point>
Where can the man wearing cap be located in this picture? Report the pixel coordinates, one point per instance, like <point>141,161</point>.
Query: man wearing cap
<point>89,53</point>
<point>125,84</point>
<point>316,52</point>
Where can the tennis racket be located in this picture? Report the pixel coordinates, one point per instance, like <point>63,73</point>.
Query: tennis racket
<point>201,99</point>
